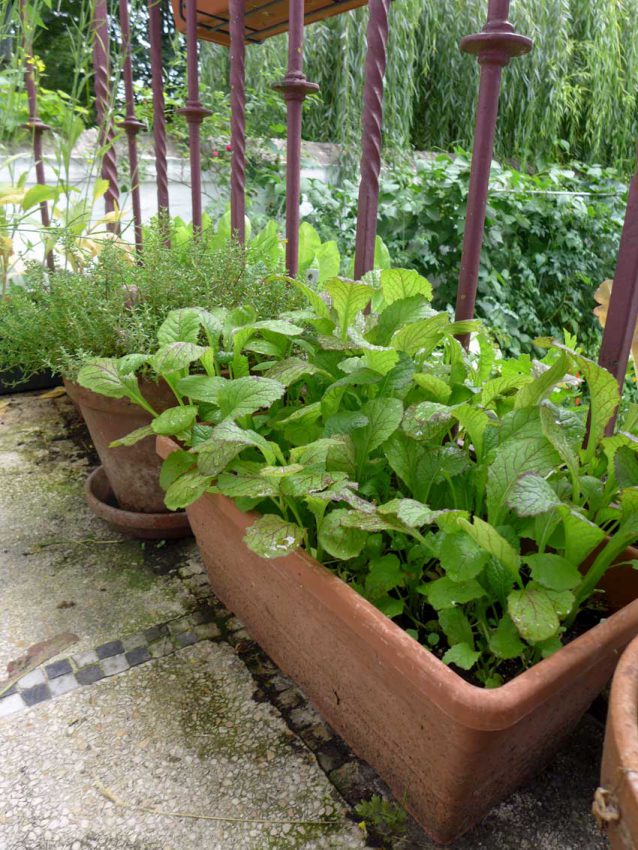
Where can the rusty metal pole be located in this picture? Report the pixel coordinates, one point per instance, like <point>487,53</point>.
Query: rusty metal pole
<point>237,119</point>
<point>623,304</point>
<point>195,114</point>
<point>495,46</point>
<point>159,118</point>
<point>130,124</point>
<point>294,88</point>
<point>34,123</point>
<point>371,121</point>
<point>101,67</point>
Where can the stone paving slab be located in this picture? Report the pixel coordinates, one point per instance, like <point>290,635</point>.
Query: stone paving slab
<point>179,734</point>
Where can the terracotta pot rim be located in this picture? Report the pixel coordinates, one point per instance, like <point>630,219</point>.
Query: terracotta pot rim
<point>623,708</point>
<point>138,524</point>
<point>474,706</point>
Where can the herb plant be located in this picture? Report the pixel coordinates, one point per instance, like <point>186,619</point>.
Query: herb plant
<point>459,493</point>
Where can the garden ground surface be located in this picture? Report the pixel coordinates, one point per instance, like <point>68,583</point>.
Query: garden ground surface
<point>148,720</point>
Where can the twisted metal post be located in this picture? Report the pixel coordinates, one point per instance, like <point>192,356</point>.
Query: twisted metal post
<point>130,124</point>
<point>34,123</point>
<point>622,313</point>
<point>237,119</point>
<point>103,107</point>
<point>371,120</point>
<point>494,47</point>
<point>159,118</point>
<point>294,88</point>
<point>195,114</point>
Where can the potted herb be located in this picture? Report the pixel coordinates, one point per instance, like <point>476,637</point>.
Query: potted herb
<point>115,308</point>
<point>426,530</point>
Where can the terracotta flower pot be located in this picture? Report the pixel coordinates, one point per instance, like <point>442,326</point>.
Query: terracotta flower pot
<point>450,749</point>
<point>616,802</point>
<point>132,471</point>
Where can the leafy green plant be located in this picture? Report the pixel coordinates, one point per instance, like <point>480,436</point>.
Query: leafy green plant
<point>459,493</point>
<point>384,816</point>
<point>115,306</point>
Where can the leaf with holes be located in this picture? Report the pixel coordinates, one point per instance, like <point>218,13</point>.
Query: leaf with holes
<point>273,537</point>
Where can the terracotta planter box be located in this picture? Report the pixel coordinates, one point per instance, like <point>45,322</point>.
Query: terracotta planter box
<point>449,749</point>
<point>617,800</point>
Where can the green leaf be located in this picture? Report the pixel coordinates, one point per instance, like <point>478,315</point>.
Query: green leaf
<point>180,326</point>
<point>309,244</point>
<point>422,336</point>
<point>200,387</point>
<point>384,417</point>
<point>581,535</point>
<point>436,387</point>
<point>462,656</point>
<point>403,453</point>
<point>37,194</point>
<point>445,593</point>
<point>381,361</point>
<point>338,539</point>
<point>384,574</point>
<point>134,437</point>
<point>427,420</point>
<point>186,489</point>
<point>328,261</point>
<point>389,606</point>
<point>244,396</point>
<point>175,356</point>
<point>292,369</point>
<point>348,299</point>
<point>246,480</point>
<point>273,537</point>
<point>412,513</point>
<point>626,467</point>
<point>533,392</point>
<point>533,614</point>
<point>226,441</point>
<point>345,422</point>
<point>456,627</point>
<point>175,465</point>
<point>461,557</point>
<point>504,385</point>
<point>314,299</point>
<point>553,571</point>
<point>504,641</point>
<point>474,421</point>
<point>514,458</point>
<point>489,539</point>
<point>403,283</point>
<point>102,376</point>
<point>175,420</point>
<point>130,363</point>
<point>560,437</point>
<point>398,314</point>
<point>531,495</point>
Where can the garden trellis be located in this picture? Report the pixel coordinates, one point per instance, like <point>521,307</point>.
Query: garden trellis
<point>238,22</point>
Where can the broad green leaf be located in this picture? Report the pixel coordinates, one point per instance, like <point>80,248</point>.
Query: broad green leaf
<point>345,422</point>
<point>134,437</point>
<point>581,535</point>
<point>339,540</point>
<point>175,465</point>
<point>512,459</point>
<point>456,627</point>
<point>626,467</point>
<point>533,392</point>
<point>337,451</point>
<point>499,580</point>
<point>327,260</point>
<point>175,420</point>
<point>445,593</point>
<point>384,574</point>
<point>314,299</point>
<point>246,395</point>
<point>604,396</point>
<point>489,539</point>
<point>461,557</point>
<point>389,606</point>
<point>427,420</point>
<point>186,489</point>
<point>246,481</point>
<point>384,417</point>
<point>403,283</point>
<point>37,194</point>
<point>531,495</point>
<point>435,466</point>
<point>504,385</point>
<point>504,641</point>
<point>422,336</point>
<point>372,521</point>
<point>553,571</point>
<point>474,422</point>
<point>175,356</point>
<point>309,481</point>
<point>130,363</point>
<point>102,376</point>
<point>272,537</point>
<point>309,244</point>
<point>292,369</point>
<point>180,326</point>
<point>562,600</point>
<point>436,387</point>
<point>533,614</point>
<point>403,453</point>
<point>348,299</point>
<point>201,387</point>
<point>412,513</point>
<point>560,437</point>
<point>226,441</point>
<point>306,415</point>
<point>381,361</point>
<point>400,313</point>
<point>462,655</point>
